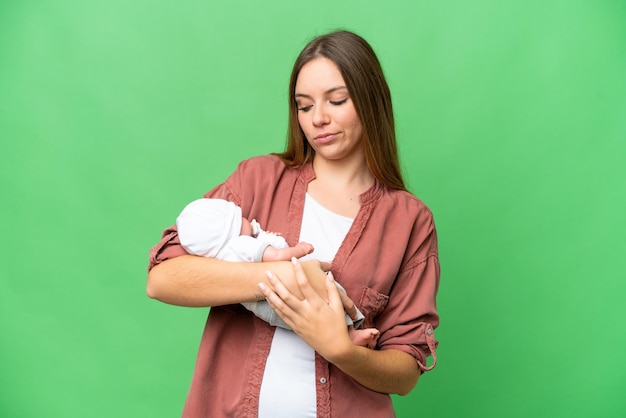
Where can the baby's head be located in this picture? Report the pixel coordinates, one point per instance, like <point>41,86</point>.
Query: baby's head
<point>249,228</point>
<point>216,221</point>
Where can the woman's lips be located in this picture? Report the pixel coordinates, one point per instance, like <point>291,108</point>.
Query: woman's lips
<point>326,137</point>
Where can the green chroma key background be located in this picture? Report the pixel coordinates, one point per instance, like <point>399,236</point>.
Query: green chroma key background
<point>511,121</point>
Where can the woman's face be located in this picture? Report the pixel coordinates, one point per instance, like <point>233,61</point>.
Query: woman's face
<point>326,112</point>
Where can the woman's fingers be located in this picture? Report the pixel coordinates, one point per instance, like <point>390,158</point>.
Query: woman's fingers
<point>312,296</point>
<point>318,321</point>
<point>278,287</point>
<point>348,304</point>
<point>278,297</point>
<point>302,280</point>
<point>335,296</point>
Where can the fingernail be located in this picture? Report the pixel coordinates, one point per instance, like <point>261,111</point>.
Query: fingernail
<point>269,274</point>
<point>262,287</point>
<point>330,276</point>
<point>294,260</point>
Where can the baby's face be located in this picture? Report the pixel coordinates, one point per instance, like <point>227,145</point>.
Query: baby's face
<point>246,228</point>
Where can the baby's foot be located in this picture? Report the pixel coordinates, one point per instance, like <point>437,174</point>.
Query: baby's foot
<point>305,248</point>
<point>364,337</point>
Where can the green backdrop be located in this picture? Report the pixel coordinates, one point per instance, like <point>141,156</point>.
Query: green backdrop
<point>511,120</point>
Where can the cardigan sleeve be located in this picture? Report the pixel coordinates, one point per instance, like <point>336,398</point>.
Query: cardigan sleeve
<point>410,317</point>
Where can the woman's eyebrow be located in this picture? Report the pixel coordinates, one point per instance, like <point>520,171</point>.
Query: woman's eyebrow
<point>329,91</point>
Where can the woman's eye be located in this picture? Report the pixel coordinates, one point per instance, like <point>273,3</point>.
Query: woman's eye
<point>304,108</point>
<point>338,102</point>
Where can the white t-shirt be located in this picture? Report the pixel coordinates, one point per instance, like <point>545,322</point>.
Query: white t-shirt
<point>288,388</point>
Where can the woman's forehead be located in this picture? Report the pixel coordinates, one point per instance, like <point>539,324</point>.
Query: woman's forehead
<point>319,75</point>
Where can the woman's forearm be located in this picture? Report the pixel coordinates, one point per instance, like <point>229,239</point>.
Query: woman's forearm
<point>386,371</point>
<point>195,281</point>
<point>199,281</point>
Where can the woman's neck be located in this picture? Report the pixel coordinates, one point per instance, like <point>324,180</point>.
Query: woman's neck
<point>350,170</point>
<point>338,185</point>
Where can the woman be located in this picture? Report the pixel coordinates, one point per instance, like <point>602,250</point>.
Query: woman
<point>338,186</point>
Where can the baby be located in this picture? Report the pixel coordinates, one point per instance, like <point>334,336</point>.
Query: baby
<point>216,228</point>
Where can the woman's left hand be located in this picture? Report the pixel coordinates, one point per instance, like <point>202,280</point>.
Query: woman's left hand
<point>319,322</point>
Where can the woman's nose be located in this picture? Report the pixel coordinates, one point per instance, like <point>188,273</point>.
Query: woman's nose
<point>320,116</point>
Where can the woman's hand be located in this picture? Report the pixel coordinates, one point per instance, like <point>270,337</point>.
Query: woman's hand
<point>316,272</point>
<point>321,323</point>
<point>317,320</point>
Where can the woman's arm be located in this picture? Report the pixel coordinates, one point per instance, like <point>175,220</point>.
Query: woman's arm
<point>194,281</point>
<point>386,371</point>
<point>321,324</point>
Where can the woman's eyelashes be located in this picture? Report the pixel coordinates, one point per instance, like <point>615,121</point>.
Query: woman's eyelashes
<point>306,108</point>
<point>338,102</point>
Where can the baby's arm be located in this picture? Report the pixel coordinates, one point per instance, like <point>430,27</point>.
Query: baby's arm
<point>284,254</point>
